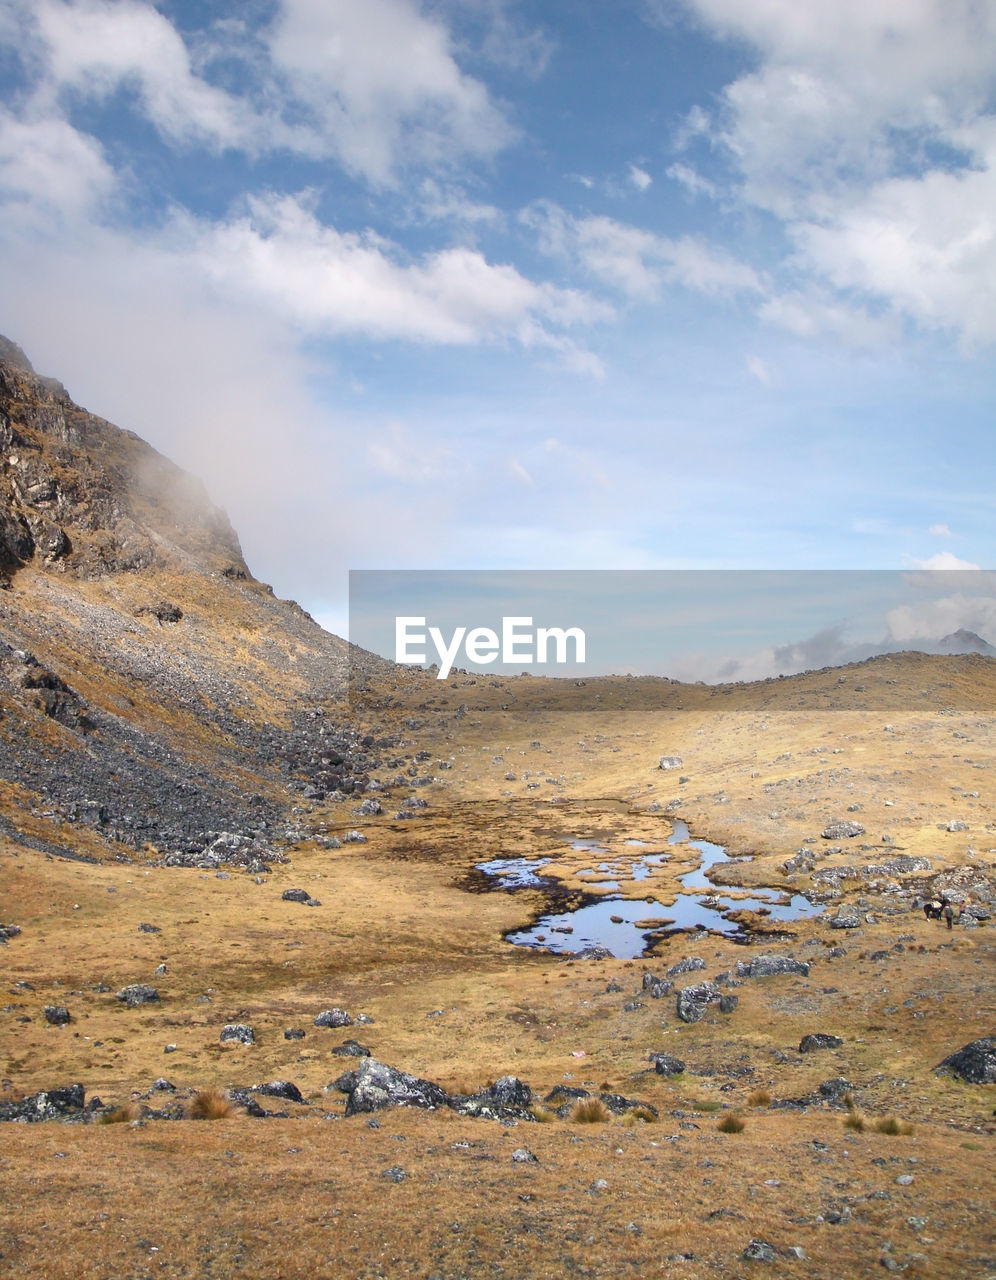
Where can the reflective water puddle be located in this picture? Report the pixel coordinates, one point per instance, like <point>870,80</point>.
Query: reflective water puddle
<point>625,927</point>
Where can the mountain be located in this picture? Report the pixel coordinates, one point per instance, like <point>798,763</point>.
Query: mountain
<point>152,691</point>
<point>962,641</point>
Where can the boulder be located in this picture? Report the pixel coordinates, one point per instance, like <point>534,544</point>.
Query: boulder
<point>50,1104</point>
<point>842,830</point>
<point>280,1089</point>
<point>350,1049</point>
<point>57,1015</point>
<point>237,1033</point>
<point>669,762</point>
<point>819,1040</point>
<point>665,1064</point>
<point>693,1001</point>
<point>375,1086</point>
<point>138,993</point>
<point>770,966</point>
<point>333,1018</point>
<point>688,965</point>
<point>975,1062</point>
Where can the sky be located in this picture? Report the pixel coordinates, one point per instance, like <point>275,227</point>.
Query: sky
<point>522,284</point>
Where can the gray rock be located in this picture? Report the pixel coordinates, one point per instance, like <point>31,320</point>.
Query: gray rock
<point>294,1033</point>
<point>728,1003</point>
<point>149,928</point>
<point>847,917</point>
<point>138,993</point>
<point>395,1173</point>
<point>333,1018</point>
<point>57,1015</point>
<point>693,1001</point>
<point>760,1251</point>
<point>770,966</point>
<point>521,1156</point>
<point>296,895</point>
<point>842,830</point>
<point>350,1049</point>
<point>279,1089</point>
<point>835,1088</point>
<point>974,1062</point>
<point>819,1040</point>
<point>238,1033</point>
<point>375,1086</point>
<point>669,762</point>
<point>50,1104</point>
<point>665,1064</point>
<point>688,965</point>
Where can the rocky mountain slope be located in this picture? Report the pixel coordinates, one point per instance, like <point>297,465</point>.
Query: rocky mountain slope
<point>152,692</point>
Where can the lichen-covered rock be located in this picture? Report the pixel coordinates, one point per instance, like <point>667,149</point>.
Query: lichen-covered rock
<point>669,762</point>
<point>842,830</point>
<point>138,993</point>
<point>693,1001</point>
<point>819,1040</point>
<point>50,1104</point>
<point>237,1033</point>
<point>57,1015</point>
<point>333,1018</point>
<point>375,1085</point>
<point>665,1064</point>
<point>771,966</point>
<point>688,965</point>
<point>279,1089</point>
<point>974,1062</point>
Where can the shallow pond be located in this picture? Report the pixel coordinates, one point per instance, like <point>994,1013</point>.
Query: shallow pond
<point>626,927</point>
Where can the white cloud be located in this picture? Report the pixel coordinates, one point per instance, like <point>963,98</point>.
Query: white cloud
<point>639,263</point>
<point>812,315</point>
<point>639,177</point>
<point>95,46</point>
<point>693,182</point>
<point>867,126</point>
<point>759,370</point>
<point>50,169</point>
<point>382,86</point>
<point>940,531</point>
<point>944,561</point>
<point>330,283</point>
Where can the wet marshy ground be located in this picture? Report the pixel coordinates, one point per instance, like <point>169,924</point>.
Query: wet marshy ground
<point>616,915</point>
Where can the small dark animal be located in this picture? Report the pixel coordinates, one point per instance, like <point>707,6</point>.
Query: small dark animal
<point>933,910</point>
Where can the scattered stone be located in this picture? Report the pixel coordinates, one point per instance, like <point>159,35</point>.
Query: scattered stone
<point>350,1049</point>
<point>728,1003</point>
<point>665,1064</point>
<point>57,1015</point>
<point>693,1001</point>
<point>50,1104</point>
<point>842,830</point>
<point>333,1018</point>
<point>759,1251</point>
<point>521,1156</point>
<point>848,917</point>
<point>162,1085</point>
<point>375,1085</point>
<point>138,993</point>
<point>280,1089</point>
<point>770,966</point>
<point>835,1088</point>
<point>975,1062</point>
<point>819,1040</point>
<point>669,762</point>
<point>395,1173</point>
<point>149,928</point>
<point>688,965</point>
<point>238,1033</point>
<point>296,895</point>
<point>294,1033</point>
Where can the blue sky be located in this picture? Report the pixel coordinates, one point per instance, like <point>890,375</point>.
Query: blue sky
<point>647,284</point>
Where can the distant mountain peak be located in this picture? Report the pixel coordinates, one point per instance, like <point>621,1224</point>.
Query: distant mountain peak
<point>964,641</point>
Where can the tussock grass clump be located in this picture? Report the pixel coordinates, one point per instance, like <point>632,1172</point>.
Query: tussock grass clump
<point>855,1121</point>
<point>590,1111</point>
<point>732,1124</point>
<point>892,1127</point>
<point>543,1115</point>
<point>704,1104</point>
<point>209,1104</point>
<point>759,1098</point>
<point>639,1115</point>
<point>122,1115</point>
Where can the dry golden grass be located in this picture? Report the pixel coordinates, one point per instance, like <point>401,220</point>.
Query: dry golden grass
<point>209,1104</point>
<point>589,1111</point>
<point>892,1127</point>
<point>122,1115</point>
<point>732,1124</point>
<point>399,937</point>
